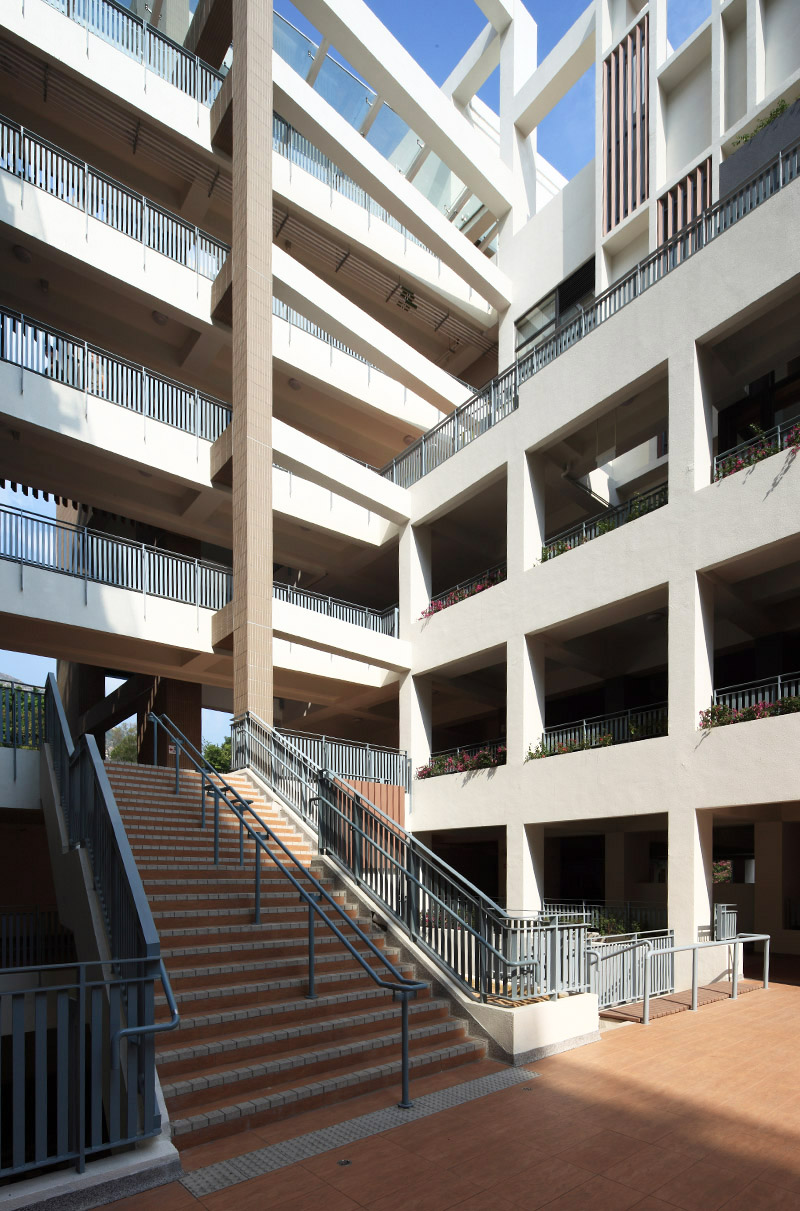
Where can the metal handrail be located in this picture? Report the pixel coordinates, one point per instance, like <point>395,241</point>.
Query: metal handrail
<point>383,621</point>
<point>611,519</point>
<point>31,540</point>
<point>353,758</point>
<point>53,354</point>
<point>765,689</point>
<point>467,588</point>
<point>37,162</point>
<point>695,947</point>
<point>592,730</point>
<point>500,396</point>
<point>224,793</point>
<point>763,445</point>
<point>467,934</point>
<point>140,40</point>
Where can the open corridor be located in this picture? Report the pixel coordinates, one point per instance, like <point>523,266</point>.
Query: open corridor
<point>698,1111</point>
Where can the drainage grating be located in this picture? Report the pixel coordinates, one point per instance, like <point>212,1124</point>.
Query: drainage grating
<point>289,1152</point>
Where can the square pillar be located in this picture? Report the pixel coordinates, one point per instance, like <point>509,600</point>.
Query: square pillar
<point>524,512</point>
<point>415,575</point>
<point>768,911</point>
<point>524,867</point>
<point>251,279</point>
<point>691,651</point>
<point>524,696</point>
<point>690,893</point>
<point>615,866</point>
<point>690,422</point>
<point>415,719</point>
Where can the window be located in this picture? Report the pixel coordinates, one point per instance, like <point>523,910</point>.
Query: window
<point>556,309</point>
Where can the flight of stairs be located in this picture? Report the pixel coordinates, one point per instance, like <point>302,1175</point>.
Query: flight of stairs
<point>250,1047</point>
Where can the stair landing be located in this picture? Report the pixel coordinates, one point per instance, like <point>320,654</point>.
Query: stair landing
<point>677,1002</point>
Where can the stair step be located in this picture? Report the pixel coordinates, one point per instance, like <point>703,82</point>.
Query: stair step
<point>338,959</point>
<point>246,993</point>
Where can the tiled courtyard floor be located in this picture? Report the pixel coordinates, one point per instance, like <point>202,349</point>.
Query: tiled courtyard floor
<point>699,1111</point>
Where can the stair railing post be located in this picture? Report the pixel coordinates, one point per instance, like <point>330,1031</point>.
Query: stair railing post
<point>648,954</point>
<point>241,839</point>
<point>203,777</point>
<point>216,826</point>
<point>155,741</point>
<point>735,977</point>
<point>311,995</point>
<point>177,767</point>
<point>695,953</point>
<point>406,1102</point>
<point>258,883</point>
<point>766,963</point>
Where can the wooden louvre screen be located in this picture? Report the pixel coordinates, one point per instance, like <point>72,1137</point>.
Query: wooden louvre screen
<point>684,202</point>
<point>626,144</point>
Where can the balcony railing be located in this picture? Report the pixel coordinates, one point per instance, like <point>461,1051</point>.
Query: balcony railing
<point>353,759</point>
<point>603,915</point>
<point>466,588</point>
<point>601,731</point>
<point>501,396</point>
<point>785,436</point>
<point>21,717</point>
<point>284,312</point>
<point>612,519</point>
<point>385,622</point>
<point>750,693</point>
<point>140,40</point>
<point>43,350</point>
<point>43,165</point>
<point>90,555</point>
<point>464,759</point>
<point>33,936</point>
<point>290,143</point>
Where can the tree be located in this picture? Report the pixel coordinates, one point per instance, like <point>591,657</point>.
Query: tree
<point>121,743</point>
<point>218,755</point>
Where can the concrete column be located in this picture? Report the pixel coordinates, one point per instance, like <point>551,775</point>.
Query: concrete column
<point>756,59</point>
<point>252,358</point>
<point>524,512</point>
<point>615,866</point>
<point>81,687</point>
<point>524,867</point>
<point>690,896</point>
<point>415,718</point>
<point>691,651</point>
<point>690,423</point>
<point>768,914</point>
<point>524,696</point>
<point>414,574</point>
<point>182,702</point>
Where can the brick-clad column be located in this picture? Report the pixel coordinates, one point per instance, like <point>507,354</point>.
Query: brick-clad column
<point>252,357</point>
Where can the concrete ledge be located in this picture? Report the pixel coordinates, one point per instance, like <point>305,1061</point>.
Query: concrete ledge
<point>530,1032</point>
<point>104,1181</point>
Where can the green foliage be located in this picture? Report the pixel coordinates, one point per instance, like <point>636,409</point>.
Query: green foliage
<point>722,871</point>
<point>121,743</point>
<point>545,749</point>
<point>720,715</point>
<point>218,755</point>
<point>779,109</point>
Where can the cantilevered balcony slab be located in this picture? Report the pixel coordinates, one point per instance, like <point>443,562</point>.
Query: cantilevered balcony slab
<point>313,630</point>
<point>317,508</point>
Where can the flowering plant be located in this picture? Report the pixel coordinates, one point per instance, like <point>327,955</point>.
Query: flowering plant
<point>487,581</point>
<point>462,763</point>
<point>543,749</point>
<point>720,715</point>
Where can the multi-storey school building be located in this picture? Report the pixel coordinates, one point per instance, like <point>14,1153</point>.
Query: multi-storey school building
<point>329,402</point>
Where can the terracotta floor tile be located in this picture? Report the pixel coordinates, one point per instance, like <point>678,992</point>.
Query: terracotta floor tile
<point>598,1194</point>
<point>271,1190</point>
<point>701,1187</point>
<point>426,1193</point>
<point>172,1197</point>
<point>220,1150</point>
<point>649,1168</point>
<point>763,1196</point>
<point>603,1150</point>
<point>546,1180</point>
<point>478,1203</point>
<point>377,1170</point>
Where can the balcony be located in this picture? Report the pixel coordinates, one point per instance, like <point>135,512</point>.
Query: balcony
<point>763,699</point>
<point>41,164</point>
<point>576,536</point>
<point>500,396</point>
<point>466,588</point>
<point>601,731</point>
<point>140,40</point>
<point>763,444</point>
<point>74,363</point>
<point>463,760</point>
<point>353,759</point>
<point>384,622</point>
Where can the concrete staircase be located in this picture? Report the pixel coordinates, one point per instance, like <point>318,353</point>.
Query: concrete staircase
<point>251,1047</point>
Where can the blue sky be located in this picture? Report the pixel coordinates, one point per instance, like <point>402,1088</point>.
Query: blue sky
<point>437,35</point>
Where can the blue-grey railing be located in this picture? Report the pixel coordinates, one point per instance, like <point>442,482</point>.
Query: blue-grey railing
<point>81,1078</point>
<point>321,904</point>
<point>466,588</point>
<point>385,622</point>
<point>762,445</point>
<point>283,312</point>
<point>290,143</point>
<point>42,165</point>
<point>725,918</point>
<point>750,693</point>
<point>22,716</point>
<point>625,966</point>
<point>30,937</point>
<point>65,359</point>
<point>612,519</point>
<point>140,40</point>
<point>633,915</point>
<point>483,754</point>
<point>471,938</point>
<point>353,758</point>
<point>31,540</point>
<point>501,396</point>
<point>600,731</point>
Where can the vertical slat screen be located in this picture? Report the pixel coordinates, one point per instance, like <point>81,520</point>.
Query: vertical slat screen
<point>625,127</point>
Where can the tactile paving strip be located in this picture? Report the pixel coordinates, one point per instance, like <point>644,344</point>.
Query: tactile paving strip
<point>289,1152</point>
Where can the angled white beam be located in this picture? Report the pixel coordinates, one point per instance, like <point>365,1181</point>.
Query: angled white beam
<point>319,59</point>
<point>498,12</point>
<point>555,76</point>
<point>311,114</point>
<point>360,37</point>
<point>319,302</point>
<point>474,69</point>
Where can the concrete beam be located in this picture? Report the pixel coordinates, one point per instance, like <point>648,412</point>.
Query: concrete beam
<point>474,68</point>
<point>555,76</point>
<point>498,12</point>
